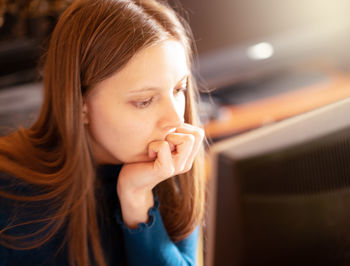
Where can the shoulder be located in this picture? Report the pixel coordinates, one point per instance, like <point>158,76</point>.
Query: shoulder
<point>13,209</point>
<point>8,182</point>
<point>8,187</point>
<point>7,205</point>
<point>12,185</point>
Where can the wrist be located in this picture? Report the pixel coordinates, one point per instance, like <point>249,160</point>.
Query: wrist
<point>134,206</point>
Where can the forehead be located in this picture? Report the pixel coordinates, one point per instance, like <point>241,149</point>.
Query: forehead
<point>160,65</point>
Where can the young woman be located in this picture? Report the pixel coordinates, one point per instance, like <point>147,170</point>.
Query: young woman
<point>111,172</point>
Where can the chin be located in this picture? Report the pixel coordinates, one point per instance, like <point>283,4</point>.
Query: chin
<point>139,159</point>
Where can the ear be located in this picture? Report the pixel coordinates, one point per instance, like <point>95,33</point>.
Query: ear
<point>85,113</point>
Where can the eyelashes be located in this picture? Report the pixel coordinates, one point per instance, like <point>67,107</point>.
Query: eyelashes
<point>181,89</point>
<point>143,104</point>
<point>149,101</point>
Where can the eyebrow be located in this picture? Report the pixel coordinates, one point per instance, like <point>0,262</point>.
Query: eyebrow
<point>156,88</point>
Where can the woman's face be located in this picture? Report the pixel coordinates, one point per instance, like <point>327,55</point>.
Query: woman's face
<point>143,102</point>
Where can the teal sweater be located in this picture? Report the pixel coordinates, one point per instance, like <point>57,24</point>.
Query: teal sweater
<point>148,244</point>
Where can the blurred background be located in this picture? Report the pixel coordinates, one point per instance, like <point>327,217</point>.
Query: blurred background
<point>266,60</point>
<point>258,61</point>
<point>25,27</point>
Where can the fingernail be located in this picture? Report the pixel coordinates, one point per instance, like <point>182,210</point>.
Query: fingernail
<point>172,147</point>
<point>152,154</point>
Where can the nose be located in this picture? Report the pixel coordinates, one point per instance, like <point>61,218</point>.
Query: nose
<point>172,115</point>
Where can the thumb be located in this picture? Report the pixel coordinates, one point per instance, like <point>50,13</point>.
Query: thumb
<point>163,163</point>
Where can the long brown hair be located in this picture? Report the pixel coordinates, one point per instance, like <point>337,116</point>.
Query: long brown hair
<point>92,40</point>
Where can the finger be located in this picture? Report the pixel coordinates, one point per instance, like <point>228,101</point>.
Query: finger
<point>184,145</point>
<point>163,164</point>
<point>199,134</point>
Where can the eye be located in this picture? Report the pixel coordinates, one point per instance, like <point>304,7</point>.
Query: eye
<point>181,89</point>
<point>143,104</point>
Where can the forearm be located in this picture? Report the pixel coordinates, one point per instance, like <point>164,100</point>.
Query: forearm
<point>149,243</point>
<point>135,205</point>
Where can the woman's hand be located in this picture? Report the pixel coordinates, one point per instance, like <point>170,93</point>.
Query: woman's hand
<point>172,156</point>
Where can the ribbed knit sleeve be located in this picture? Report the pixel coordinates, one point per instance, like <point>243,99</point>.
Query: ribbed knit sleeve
<point>149,243</point>
<point>4,252</point>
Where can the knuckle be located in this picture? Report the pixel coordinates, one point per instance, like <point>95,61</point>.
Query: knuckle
<point>201,132</point>
<point>189,165</point>
<point>167,171</point>
<point>189,138</point>
<point>185,169</point>
<point>171,170</point>
<point>163,145</point>
<point>182,167</point>
<point>169,137</point>
<point>155,145</point>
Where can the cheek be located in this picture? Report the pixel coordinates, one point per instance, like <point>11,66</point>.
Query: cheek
<point>102,123</point>
<point>124,135</point>
<point>133,141</point>
<point>182,106</point>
